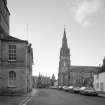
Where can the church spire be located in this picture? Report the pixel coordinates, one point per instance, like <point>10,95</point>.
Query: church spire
<point>64,40</point>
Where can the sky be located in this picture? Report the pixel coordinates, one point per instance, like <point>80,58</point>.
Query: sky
<point>42,23</point>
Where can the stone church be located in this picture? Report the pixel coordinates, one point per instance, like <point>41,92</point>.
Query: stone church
<point>16,58</point>
<point>64,63</point>
<point>72,74</point>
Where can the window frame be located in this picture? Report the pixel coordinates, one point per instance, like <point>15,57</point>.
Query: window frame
<point>12,79</point>
<point>11,53</point>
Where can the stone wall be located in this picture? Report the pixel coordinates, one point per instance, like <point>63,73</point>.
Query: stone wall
<point>19,67</point>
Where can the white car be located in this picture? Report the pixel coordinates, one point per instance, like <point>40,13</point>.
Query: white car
<point>82,89</point>
<point>64,87</point>
<point>68,88</point>
<point>76,89</point>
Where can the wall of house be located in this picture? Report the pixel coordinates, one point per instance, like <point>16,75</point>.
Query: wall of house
<point>99,82</point>
<point>19,67</point>
<point>20,80</point>
<point>20,53</point>
<point>0,51</point>
<point>29,68</point>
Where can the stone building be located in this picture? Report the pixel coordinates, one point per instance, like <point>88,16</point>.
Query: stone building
<point>64,63</point>
<point>53,80</point>
<point>16,58</point>
<point>41,81</point>
<point>82,75</point>
<point>99,78</point>
<point>35,81</point>
<point>73,74</point>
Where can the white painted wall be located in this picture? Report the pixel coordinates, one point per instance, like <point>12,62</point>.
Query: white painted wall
<point>99,82</point>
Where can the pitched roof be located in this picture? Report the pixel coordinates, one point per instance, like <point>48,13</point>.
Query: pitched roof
<point>84,68</point>
<point>11,38</point>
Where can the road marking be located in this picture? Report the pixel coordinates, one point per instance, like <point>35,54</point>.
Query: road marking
<point>25,101</point>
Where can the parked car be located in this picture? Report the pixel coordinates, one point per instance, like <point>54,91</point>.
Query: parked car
<point>53,87</point>
<point>70,89</point>
<point>76,89</point>
<point>60,87</point>
<point>81,90</point>
<point>89,92</point>
<point>65,88</point>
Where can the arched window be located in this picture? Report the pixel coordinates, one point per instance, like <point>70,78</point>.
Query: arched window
<point>12,79</point>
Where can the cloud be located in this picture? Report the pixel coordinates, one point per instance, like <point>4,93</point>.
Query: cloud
<point>85,9</point>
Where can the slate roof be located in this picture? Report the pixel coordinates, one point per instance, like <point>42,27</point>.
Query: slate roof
<point>75,68</point>
<point>11,38</point>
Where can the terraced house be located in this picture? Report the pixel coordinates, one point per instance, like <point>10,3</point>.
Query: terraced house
<point>16,58</point>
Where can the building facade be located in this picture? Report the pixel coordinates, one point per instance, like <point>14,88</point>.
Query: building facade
<point>41,81</point>
<point>82,75</point>
<point>16,58</point>
<point>73,74</point>
<point>53,80</point>
<point>64,63</point>
<point>99,79</point>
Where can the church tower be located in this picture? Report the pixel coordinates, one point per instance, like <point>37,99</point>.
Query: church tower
<point>64,63</point>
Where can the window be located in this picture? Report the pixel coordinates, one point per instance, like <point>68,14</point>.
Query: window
<point>12,79</point>
<point>12,53</point>
<point>101,86</point>
<point>97,76</point>
<point>97,85</point>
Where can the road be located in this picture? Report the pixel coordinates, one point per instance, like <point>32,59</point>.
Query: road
<point>57,97</point>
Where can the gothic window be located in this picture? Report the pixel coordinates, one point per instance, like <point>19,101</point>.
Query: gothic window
<point>12,53</point>
<point>12,79</point>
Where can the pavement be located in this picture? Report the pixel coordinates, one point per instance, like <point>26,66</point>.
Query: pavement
<point>16,100</point>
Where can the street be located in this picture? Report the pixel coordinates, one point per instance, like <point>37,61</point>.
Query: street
<point>51,97</point>
<point>57,97</point>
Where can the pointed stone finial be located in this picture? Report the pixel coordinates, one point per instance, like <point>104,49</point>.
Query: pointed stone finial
<point>64,40</point>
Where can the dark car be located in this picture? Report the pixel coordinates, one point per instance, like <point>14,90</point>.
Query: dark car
<point>89,92</point>
<point>76,89</point>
